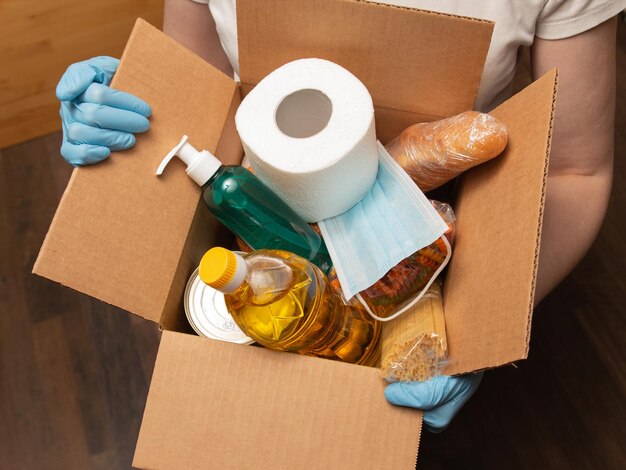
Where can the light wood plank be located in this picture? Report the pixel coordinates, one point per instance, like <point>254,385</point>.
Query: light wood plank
<point>39,40</point>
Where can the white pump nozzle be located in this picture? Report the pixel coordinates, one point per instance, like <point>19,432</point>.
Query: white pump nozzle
<point>201,166</point>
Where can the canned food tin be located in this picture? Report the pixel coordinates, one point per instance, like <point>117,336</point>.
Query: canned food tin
<point>207,313</point>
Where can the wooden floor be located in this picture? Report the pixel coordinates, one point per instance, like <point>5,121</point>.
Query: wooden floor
<point>74,373</point>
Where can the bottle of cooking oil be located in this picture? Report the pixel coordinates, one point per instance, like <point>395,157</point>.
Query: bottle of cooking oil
<point>284,302</point>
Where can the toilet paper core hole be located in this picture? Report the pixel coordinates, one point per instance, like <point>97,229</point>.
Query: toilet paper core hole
<point>303,113</point>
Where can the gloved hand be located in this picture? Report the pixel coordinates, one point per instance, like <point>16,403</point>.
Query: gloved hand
<point>441,398</point>
<point>97,119</point>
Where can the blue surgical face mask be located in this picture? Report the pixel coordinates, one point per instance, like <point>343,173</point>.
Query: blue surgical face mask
<point>393,221</point>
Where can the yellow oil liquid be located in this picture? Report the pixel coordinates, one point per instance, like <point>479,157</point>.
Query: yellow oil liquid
<point>304,315</point>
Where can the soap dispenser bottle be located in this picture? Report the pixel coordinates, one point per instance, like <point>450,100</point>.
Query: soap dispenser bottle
<point>248,208</point>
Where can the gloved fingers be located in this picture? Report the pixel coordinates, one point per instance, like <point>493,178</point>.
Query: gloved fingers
<point>74,81</point>
<point>79,76</point>
<point>464,386</point>
<point>439,418</point>
<point>434,392</point>
<point>421,395</point>
<point>105,66</point>
<point>413,394</point>
<point>102,94</point>
<point>83,154</point>
<point>78,133</point>
<point>106,117</point>
<point>66,115</point>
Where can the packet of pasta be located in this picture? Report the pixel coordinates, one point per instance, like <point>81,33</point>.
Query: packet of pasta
<point>414,345</point>
<point>408,278</point>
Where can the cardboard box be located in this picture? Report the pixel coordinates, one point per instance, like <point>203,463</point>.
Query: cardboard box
<point>128,238</point>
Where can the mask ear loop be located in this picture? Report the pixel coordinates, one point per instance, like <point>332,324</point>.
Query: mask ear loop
<point>419,296</point>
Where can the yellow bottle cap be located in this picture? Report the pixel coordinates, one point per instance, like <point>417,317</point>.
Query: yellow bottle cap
<point>218,267</point>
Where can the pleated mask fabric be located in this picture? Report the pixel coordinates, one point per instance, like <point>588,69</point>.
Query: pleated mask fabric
<point>392,221</point>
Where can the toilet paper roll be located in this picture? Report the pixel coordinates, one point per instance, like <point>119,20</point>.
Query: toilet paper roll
<point>308,132</point>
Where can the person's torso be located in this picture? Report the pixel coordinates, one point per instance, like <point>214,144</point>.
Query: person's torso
<point>515,22</point>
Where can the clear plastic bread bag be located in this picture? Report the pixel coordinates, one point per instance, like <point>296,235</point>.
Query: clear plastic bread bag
<point>432,153</point>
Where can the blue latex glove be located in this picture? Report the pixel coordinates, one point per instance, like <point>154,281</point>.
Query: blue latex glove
<point>97,119</point>
<point>441,398</point>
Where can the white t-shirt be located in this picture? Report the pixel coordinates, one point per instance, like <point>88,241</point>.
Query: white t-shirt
<point>517,22</point>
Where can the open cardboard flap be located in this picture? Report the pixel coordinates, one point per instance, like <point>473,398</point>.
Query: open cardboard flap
<point>417,65</point>
<point>124,236</point>
<point>490,285</point>
<point>288,411</point>
<point>120,234</point>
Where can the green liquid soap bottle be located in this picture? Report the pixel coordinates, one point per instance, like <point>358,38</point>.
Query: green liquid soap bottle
<point>284,302</point>
<point>250,209</point>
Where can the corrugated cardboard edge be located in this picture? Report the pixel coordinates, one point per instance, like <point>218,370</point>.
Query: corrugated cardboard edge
<point>206,117</point>
<point>36,267</point>
<point>220,405</point>
<point>41,258</point>
<point>486,335</point>
<point>229,150</point>
<point>554,72</point>
<point>542,208</point>
<point>432,12</point>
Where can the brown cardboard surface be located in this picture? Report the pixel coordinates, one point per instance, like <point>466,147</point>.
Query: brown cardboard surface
<point>411,61</point>
<point>220,405</point>
<point>204,232</point>
<point>490,284</point>
<point>119,232</point>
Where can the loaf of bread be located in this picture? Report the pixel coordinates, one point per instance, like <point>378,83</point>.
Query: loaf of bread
<point>432,153</point>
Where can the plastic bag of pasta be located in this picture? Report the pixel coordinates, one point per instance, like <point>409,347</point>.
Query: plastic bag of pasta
<point>402,283</point>
<point>414,345</point>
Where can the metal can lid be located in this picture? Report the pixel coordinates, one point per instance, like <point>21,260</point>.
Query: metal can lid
<point>206,311</point>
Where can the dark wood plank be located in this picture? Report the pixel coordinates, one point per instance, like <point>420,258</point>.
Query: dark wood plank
<point>74,371</point>
<point>21,391</point>
<point>63,412</point>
